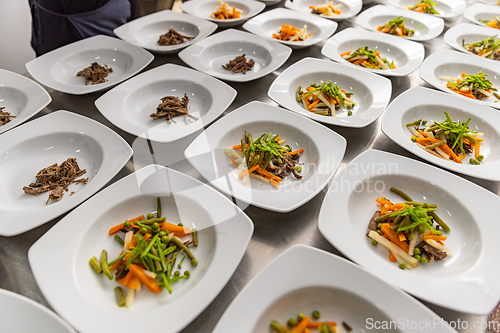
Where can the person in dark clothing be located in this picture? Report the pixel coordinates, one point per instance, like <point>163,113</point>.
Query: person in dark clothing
<point>56,23</point>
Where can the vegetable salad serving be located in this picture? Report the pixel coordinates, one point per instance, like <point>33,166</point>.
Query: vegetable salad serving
<point>267,159</point>
<point>396,27</point>
<point>325,99</point>
<point>328,8</point>
<point>492,23</point>
<point>486,48</point>
<point>448,139</point>
<point>365,57</point>
<point>475,86</point>
<point>151,249</point>
<point>289,33</point>
<point>425,6</point>
<point>226,12</point>
<point>305,324</point>
<point>409,230</point>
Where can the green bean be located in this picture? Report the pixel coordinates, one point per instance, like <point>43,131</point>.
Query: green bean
<point>104,265</point>
<point>150,245</point>
<point>383,218</point>
<point>416,122</point>
<point>278,328</point>
<point>158,207</point>
<point>440,221</point>
<point>152,256</point>
<point>117,259</point>
<point>401,194</point>
<point>254,162</point>
<point>421,204</point>
<point>151,221</point>
<point>177,241</point>
<point>180,264</point>
<point>269,158</point>
<point>119,297</point>
<point>195,237</point>
<point>394,227</point>
<point>95,264</point>
<point>165,281</point>
<point>435,145</point>
<point>161,254</point>
<point>406,222</point>
<point>156,262</point>
<point>119,240</point>
<point>326,328</point>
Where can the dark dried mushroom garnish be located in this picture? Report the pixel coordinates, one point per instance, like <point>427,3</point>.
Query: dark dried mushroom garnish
<point>239,65</point>
<point>172,37</point>
<point>172,106</point>
<point>56,179</point>
<point>5,116</point>
<point>95,73</point>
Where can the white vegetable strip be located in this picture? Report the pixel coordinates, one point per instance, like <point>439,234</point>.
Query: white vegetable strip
<point>400,255</point>
<point>438,246</point>
<point>128,238</point>
<point>129,300</point>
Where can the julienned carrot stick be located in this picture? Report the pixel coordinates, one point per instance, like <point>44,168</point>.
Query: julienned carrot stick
<point>435,237</point>
<point>317,324</point>
<point>268,174</point>
<point>296,152</point>
<point>146,280</point>
<point>301,326</point>
<point>245,172</point>
<point>392,257</point>
<point>386,229</point>
<point>177,230</point>
<point>117,228</point>
<point>345,53</point>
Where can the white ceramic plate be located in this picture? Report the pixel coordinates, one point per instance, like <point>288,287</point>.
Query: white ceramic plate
<point>205,8</point>
<point>447,9</point>
<point>129,105</point>
<point>210,54</point>
<point>407,55</point>
<point>57,69</point>
<point>21,97</point>
<point>223,232</point>
<point>480,11</point>
<point>422,103</point>
<point>350,203</point>
<point>339,289</point>
<point>372,92</point>
<point>378,15</point>
<point>271,2</point>
<point>466,33</point>
<point>22,315</point>
<point>349,9</point>
<point>323,153</point>
<point>42,142</point>
<point>271,21</point>
<point>450,64</point>
<point>145,31</point>
<point>489,2</point>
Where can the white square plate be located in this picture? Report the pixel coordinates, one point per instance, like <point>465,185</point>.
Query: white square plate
<point>479,11</point>
<point>223,232</point>
<point>372,92</point>
<point>145,31</point>
<point>450,63</point>
<point>349,9</point>
<point>378,15</point>
<point>16,309</point>
<point>340,290</point>
<point>422,103</point>
<point>467,33</point>
<point>407,55</point>
<point>21,97</point>
<point>57,69</point>
<point>271,21</point>
<point>210,54</point>
<point>42,142</point>
<point>447,9</point>
<point>129,105</point>
<point>323,153</point>
<point>350,203</point>
<point>489,2</point>
<point>205,8</point>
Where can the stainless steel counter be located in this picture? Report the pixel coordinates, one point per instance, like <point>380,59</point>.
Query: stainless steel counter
<point>274,232</point>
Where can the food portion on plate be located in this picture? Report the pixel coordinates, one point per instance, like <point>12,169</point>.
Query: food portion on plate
<point>425,6</point>
<point>172,37</point>
<point>151,249</point>
<point>267,159</point>
<point>95,73</point>
<point>396,27</point>
<point>5,117</point>
<point>409,230</point>
<point>56,179</point>
<point>172,106</point>
<point>226,12</point>
<point>325,99</point>
<point>240,64</point>
<point>365,57</point>
<point>487,48</point>
<point>329,8</point>
<point>289,33</point>
<point>492,23</point>
<point>450,140</point>
<point>475,86</point>
<point>305,324</point>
